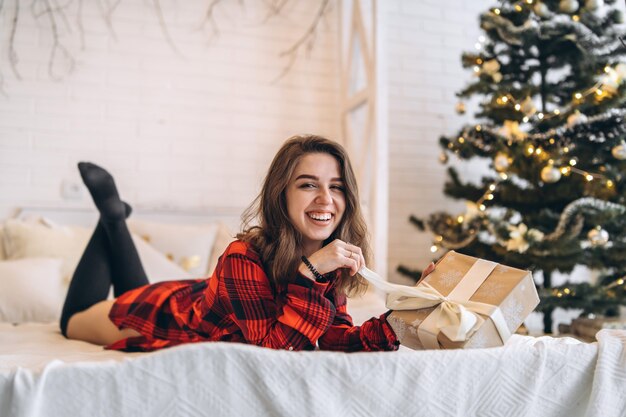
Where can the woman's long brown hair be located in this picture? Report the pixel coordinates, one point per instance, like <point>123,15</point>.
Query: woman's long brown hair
<point>266,223</point>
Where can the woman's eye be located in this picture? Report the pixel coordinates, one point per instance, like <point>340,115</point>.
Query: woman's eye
<point>307,185</point>
<point>338,187</point>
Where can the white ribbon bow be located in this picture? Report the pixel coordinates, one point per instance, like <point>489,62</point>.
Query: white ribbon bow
<point>455,316</point>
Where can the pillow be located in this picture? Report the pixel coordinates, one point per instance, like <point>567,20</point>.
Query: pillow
<point>32,290</point>
<point>33,239</point>
<point>222,240</point>
<point>2,256</point>
<point>189,246</point>
<point>36,239</point>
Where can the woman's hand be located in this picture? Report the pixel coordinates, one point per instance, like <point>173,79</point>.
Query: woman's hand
<point>335,255</point>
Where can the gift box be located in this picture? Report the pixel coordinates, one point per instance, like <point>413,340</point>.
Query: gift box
<point>586,328</point>
<point>465,302</point>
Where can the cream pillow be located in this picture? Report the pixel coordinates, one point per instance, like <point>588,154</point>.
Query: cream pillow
<point>2,255</point>
<point>223,239</point>
<point>189,246</point>
<point>31,290</point>
<point>44,239</point>
<point>33,239</point>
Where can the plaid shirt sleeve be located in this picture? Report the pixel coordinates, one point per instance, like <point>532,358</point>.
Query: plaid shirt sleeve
<point>292,319</point>
<point>373,335</point>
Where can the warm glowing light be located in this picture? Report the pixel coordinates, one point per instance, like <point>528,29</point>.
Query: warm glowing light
<point>538,151</point>
<point>439,238</point>
<point>503,176</point>
<point>518,8</point>
<point>489,196</point>
<point>607,69</point>
<point>529,1</point>
<point>525,119</point>
<point>566,149</point>
<point>572,162</point>
<point>434,248</point>
<point>609,183</point>
<point>461,139</point>
<point>460,219</point>
<point>492,187</point>
<point>477,45</point>
<point>559,294</point>
<point>589,177</point>
<point>504,99</point>
<point>620,281</point>
<point>482,207</point>
<point>478,128</point>
<point>496,11</point>
<point>518,107</point>
<point>551,141</point>
<point>578,96</point>
<point>557,112</point>
<point>530,150</point>
<point>599,92</point>
<point>565,170</point>
<point>481,38</point>
<point>575,18</point>
<point>476,69</point>
<point>540,116</point>
<point>566,290</point>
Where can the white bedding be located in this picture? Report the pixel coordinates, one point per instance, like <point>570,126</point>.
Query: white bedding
<point>42,374</point>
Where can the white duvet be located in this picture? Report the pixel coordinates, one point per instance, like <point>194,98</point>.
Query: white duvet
<point>43,374</point>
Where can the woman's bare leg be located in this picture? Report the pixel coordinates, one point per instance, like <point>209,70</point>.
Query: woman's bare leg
<point>93,325</point>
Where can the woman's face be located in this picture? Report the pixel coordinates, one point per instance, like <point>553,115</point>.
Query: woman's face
<point>315,199</point>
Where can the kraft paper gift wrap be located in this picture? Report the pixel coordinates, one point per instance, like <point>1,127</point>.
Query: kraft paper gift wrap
<point>465,302</point>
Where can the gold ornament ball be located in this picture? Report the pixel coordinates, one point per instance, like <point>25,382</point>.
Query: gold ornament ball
<point>576,118</point>
<point>460,107</point>
<point>541,9</point>
<point>619,151</point>
<point>501,162</point>
<point>443,157</point>
<point>568,6</point>
<point>594,4</point>
<point>598,236</point>
<point>550,174</point>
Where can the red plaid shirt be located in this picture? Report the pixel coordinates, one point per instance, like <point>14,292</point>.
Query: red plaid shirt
<point>240,304</point>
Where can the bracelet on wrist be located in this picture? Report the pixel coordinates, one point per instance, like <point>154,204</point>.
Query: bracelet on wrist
<point>318,277</point>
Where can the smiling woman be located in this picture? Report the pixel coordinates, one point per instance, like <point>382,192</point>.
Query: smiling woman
<point>282,284</point>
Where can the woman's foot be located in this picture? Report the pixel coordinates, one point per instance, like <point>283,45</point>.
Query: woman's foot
<point>102,188</point>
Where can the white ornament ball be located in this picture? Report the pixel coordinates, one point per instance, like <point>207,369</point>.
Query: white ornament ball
<point>619,151</point>
<point>501,162</point>
<point>541,10</point>
<point>550,174</point>
<point>568,6</point>
<point>576,118</point>
<point>620,69</point>
<point>598,236</point>
<point>594,4</point>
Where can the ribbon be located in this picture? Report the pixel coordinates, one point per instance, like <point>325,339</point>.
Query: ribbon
<point>455,315</point>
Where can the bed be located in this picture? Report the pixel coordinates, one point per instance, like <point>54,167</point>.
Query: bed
<point>43,374</point>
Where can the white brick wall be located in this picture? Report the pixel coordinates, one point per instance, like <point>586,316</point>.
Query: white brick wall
<point>425,40</point>
<point>191,131</point>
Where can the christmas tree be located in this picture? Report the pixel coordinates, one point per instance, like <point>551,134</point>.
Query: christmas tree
<point>551,125</point>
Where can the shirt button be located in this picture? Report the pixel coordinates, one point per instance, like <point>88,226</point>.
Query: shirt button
<point>290,348</point>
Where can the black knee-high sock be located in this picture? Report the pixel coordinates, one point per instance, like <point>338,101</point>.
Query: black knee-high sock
<point>127,271</point>
<point>91,280</point>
